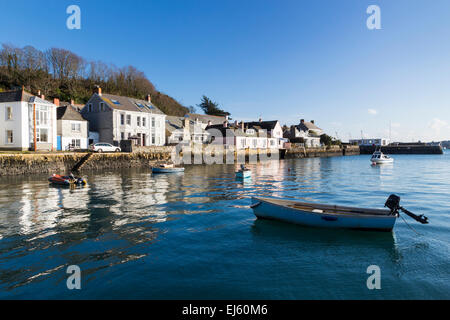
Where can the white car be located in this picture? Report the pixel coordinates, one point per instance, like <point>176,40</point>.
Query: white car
<point>104,147</point>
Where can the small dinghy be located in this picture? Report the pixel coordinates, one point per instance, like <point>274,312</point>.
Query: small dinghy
<point>379,157</point>
<point>244,173</point>
<point>69,180</point>
<point>167,168</point>
<point>330,216</point>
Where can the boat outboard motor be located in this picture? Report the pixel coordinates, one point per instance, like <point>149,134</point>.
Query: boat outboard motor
<point>393,203</point>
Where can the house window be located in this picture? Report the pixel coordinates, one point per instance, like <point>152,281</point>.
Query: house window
<point>153,138</point>
<point>76,127</point>
<point>144,122</point>
<point>138,121</point>
<point>42,135</point>
<point>42,115</point>
<point>89,107</point>
<point>76,143</point>
<point>122,119</point>
<point>9,137</point>
<point>153,122</point>
<point>9,113</point>
<point>128,119</point>
<point>102,106</point>
<point>254,143</point>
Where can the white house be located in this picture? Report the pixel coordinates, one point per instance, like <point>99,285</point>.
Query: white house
<point>307,131</point>
<point>249,135</point>
<point>72,128</point>
<point>27,122</point>
<point>190,128</point>
<point>118,118</point>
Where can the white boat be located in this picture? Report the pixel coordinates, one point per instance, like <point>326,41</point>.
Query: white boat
<point>167,168</point>
<point>379,157</point>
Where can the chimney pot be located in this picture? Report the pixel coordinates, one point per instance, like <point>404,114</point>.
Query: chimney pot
<point>302,120</point>
<point>39,93</point>
<point>148,98</point>
<point>209,123</point>
<point>260,119</point>
<point>225,124</point>
<point>312,121</point>
<point>56,102</point>
<point>72,102</point>
<point>242,125</point>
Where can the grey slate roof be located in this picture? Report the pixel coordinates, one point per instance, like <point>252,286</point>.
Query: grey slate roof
<point>15,96</point>
<point>68,113</point>
<point>305,126</point>
<point>129,104</point>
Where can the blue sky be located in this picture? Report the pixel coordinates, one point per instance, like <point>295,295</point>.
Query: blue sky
<point>283,60</point>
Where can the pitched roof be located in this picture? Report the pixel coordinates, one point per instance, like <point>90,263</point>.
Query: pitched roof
<point>206,117</point>
<point>129,104</point>
<point>306,125</point>
<point>258,125</point>
<point>15,96</point>
<point>68,113</point>
<point>235,131</point>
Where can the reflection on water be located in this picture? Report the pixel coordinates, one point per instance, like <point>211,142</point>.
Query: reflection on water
<point>193,235</point>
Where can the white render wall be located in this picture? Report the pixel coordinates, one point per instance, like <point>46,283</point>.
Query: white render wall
<point>159,130</point>
<point>18,124</point>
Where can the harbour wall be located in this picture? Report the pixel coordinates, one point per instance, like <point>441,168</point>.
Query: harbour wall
<point>403,149</point>
<point>62,163</point>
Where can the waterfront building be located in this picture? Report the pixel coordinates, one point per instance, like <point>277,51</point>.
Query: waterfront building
<point>305,131</point>
<point>190,128</point>
<point>378,142</point>
<point>27,122</point>
<point>117,118</point>
<point>72,128</point>
<point>249,135</point>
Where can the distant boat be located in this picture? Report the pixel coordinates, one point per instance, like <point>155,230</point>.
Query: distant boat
<point>243,173</point>
<point>331,216</point>
<point>379,157</point>
<point>57,179</point>
<point>167,168</point>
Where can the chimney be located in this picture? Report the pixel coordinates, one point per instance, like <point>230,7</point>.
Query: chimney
<point>98,90</point>
<point>236,123</point>
<point>148,98</point>
<point>242,125</point>
<point>225,124</point>
<point>209,123</point>
<point>56,102</point>
<point>260,119</point>
<point>302,120</point>
<point>312,121</point>
<point>72,102</point>
<point>226,118</point>
<point>42,97</point>
<point>39,93</point>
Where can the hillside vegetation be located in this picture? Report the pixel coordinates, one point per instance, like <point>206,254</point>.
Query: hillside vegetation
<point>60,73</point>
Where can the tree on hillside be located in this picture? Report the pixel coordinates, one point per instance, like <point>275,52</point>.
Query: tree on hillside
<point>60,73</point>
<point>211,108</point>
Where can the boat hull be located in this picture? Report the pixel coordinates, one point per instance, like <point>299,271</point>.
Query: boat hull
<point>381,161</point>
<point>264,208</point>
<point>243,174</point>
<point>167,170</point>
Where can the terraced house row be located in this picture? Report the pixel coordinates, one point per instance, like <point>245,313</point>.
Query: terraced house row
<point>30,122</point>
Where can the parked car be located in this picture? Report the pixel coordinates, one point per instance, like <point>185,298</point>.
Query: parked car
<point>104,147</point>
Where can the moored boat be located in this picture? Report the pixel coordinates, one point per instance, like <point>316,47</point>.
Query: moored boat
<point>332,216</point>
<point>243,173</point>
<point>167,168</point>
<point>379,157</point>
<point>67,180</point>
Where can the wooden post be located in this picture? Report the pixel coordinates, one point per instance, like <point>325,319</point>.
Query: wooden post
<point>34,127</point>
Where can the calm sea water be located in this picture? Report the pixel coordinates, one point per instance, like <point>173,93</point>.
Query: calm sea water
<point>193,235</point>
